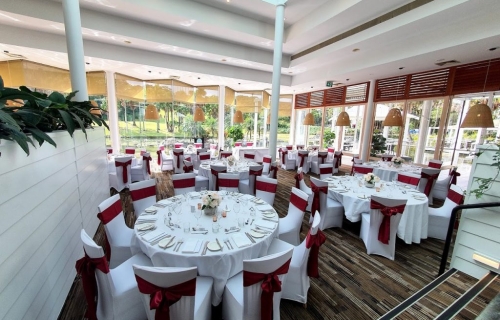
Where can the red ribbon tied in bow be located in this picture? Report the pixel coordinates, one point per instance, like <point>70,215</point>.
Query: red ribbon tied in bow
<point>314,242</point>
<point>159,156</point>
<point>454,174</point>
<point>385,227</point>
<point>315,203</point>
<point>283,156</point>
<point>302,156</point>
<point>337,160</point>
<point>162,298</point>
<point>298,178</point>
<point>145,161</point>
<point>274,171</point>
<point>124,165</point>
<point>430,181</point>
<point>188,169</point>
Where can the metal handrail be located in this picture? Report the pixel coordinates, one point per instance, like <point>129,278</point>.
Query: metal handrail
<point>453,217</point>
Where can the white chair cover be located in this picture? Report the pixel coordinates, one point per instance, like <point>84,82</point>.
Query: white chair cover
<point>332,212</point>
<point>229,178</point>
<point>138,191</point>
<point>305,165</point>
<point>118,296</point>
<point>287,163</point>
<point>116,178</point>
<point>325,170</point>
<point>184,183</point>
<point>289,226</point>
<point>266,162</point>
<point>439,218</point>
<point>317,161</point>
<point>423,183</point>
<point>266,189</point>
<point>409,179</point>
<point>246,186</point>
<point>436,164</point>
<point>303,187</point>
<point>212,179</point>
<point>188,307</point>
<point>178,168</point>
<point>440,190</point>
<point>140,171</point>
<point>166,162</point>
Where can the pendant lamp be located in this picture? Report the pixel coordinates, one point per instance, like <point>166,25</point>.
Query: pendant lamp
<point>308,120</point>
<point>343,119</point>
<point>478,116</point>
<point>199,115</point>
<point>238,117</point>
<point>393,118</point>
<point>95,111</point>
<point>151,113</point>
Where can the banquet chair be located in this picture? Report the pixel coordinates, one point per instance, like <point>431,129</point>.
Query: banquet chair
<point>409,179</point>
<point>188,167</point>
<point>249,144</point>
<point>118,235</point>
<point>303,160</point>
<point>331,152</point>
<point>143,170</point>
<point>229,182</point>
<point>287,163</point>
<point>304,263</point>
<point>121,178</point>
<point>192,294</point>
<point>200,181</point>
<point>301,184</point>
<point>225,154</point>
<point>359,170</point>
<point>332,211</point>
<point>116,288</point>
<point>243,292</point>
<point>387,157</point>
<point>215,170</point>
<point>337,161</point>
<point>204,157</point>
<point>325,170</point>
<point>109,150</point>
<point>273,171</point>
<point>439,218</point>
<point>178,145</point>
<point>247,186</point>
<point>300,147</point>
<point>237,144</point>
<point>289,147</point>
<point>178,156</point>
<point>378,230</point>
<point>289,226</point>
<point>248,155</point>
<point>184,183</point>
<point>440,190</point>
<point>198,145</point>
<point>314,148</point>
<point>143,194</point>
<point>355,160</point>
<point>428,178</point>
<point>201,150</point>
<point>436,164</point>
<point>266,163</point>
<point>266,189</point>
<point>322,155</point>
<point>164,162</point>
<point>130,150</point>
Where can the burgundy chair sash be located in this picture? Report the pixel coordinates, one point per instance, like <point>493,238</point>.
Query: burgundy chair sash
<point>85,267</point>
<point>178,145</point>
<point>408,180</point>
<point>237,144</point>
<point>249,144</point>
<point>110,151</point>
<point>162,298</point>
<point>331,150</point>
<point>266,160</point>
<point>266,186</point>
<point>387,158</point>
<point>216,174</point>
<point>314,242</point>
<point>159,156</point>
<point>284,153</point>
<point>124,165</point>
<point>184,183</point>
<point>229,183</point>
<point>204,157</point>
<point>188,169</point>
<point>337,160</point>
<point>298,202</point>
<point>106,216</point>
<point>249,156</point>
<point>145,162</point>
<point>302,156</point>
<point>255,173</point>
<point>129,151</point>
<point>162,148</point>
<point>326,170</point>
<point>188,158</point>
<point>384,231</point>
<point>454,174</point>
<point>322,157</point>
<point>143,193</point>
<point>455,196</point>
<point>270,284</point>
<point>197,145</point>
<point>289,147</point>
<point>315,203</point>
<point>434,165</point>
<point>298,178</point>
<point>274,171</point>
<point>430,181</point>
<point>363,170</point>
<point>225,154</point>
<point>178,155</point>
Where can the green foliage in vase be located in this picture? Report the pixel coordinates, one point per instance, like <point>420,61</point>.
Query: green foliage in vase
<point>378,144</point>
<point>328,137</point>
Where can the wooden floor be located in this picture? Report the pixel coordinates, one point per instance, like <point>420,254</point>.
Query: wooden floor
<point>352,284</point>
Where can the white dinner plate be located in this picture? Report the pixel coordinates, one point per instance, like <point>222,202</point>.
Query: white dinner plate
<point>268,215</point>
<point>145,226</point>
<point>256,234</point>
<point>213,246</point>
<point>166,243</point>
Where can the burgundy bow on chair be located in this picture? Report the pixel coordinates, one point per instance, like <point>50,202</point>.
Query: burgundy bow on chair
<point>106,216</point>
<point>430,181</point>
<point>273,170</point>
<point>455,196</point>
<point>216,174</point>
<point>255,173</point>
<point>314,242</point>
<point>124,165</point>
<point>302,156</point>
<point>129,151</point>
<point>159,156</point>
<point>284,153</point>
<point>408,180</point>
<point>454,174</point>
<point>178,154</point>
<point>337,160</point>
<point>145,162</point>
<point>187,168</point>
<point>326,170</point>
<point>184,183</point>
<point>315,203</point>
<point>270,284</point>
<point>162,298</point>
<point>266,160</point>
<point>86,267</point>
<point>322,157</point>
<point>385,227</point>
<point>298,177</point>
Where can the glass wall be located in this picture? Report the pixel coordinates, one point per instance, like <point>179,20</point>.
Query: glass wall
<point>331,115</point>
<point>300,130</point>
<point>391,134</point>
<point>351,141</point>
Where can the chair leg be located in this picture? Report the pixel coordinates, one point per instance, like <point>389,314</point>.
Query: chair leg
<point>305,305</point>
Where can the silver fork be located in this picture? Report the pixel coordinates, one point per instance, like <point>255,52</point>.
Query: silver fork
<point>179,244</point>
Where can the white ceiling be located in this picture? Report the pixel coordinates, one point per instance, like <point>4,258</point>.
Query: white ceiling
<point>231,43</point>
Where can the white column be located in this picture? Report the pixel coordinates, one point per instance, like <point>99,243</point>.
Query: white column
<point>459,133</point>
<point>74,44</point>
<point>275,98</point>
<point>114,130</point>
<point>222,103</point>
<point>482,132</point>
<point>291,138</point>
<point>369,114</point>
<point>255,125</point>
<point>264,121</point>
<point>406,138</point>
<point>232,115</point>
<point>423,131</point>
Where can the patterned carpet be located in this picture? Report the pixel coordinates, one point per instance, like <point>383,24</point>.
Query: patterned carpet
<point>352,284</point>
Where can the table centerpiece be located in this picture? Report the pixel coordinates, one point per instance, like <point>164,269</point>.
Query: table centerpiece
<point>210,203</point>
<point>397,161</point>
<point>370,180</point>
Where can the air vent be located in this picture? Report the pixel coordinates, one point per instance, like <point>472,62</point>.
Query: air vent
<point>14,55</point>
<point>443,63</point>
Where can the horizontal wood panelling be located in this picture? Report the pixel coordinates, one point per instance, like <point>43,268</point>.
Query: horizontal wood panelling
<point>334,96</point>
<point>390,88</point>
<point>302,101</point>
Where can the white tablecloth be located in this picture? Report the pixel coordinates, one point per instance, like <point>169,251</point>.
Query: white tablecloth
<point>220,265</point>
<point>239,152</point>
<point>389,173</point>
<point>414,221</point>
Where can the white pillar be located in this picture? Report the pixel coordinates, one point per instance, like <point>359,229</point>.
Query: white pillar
<point>406,138</point>
<point>423,129</point>
<point>459,133</point>
<point>482,132</point>
<point>255,125</point>
<point>291,138</point>
<point>114,129</point>
<point>74,44</point>
<point>369,114</point>
<point>222,103</point>
<point>264,121</point>
<point>275,98</point>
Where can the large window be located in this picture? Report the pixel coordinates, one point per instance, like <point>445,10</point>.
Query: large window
<point>351,141</point>
<point>391,134</point>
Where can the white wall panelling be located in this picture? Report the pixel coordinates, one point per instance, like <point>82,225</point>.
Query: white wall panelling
<point>45,199</point>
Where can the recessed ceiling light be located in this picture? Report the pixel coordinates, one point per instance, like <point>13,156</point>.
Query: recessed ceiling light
<point>223,60</point>
<point>239,82</point>
<point>355,50</point>
<point>401,68</point>
<point>149,71</point>
<point>199,78</point>
<point>493,49</point>
<point>87,62</point>
<point>127,42</point>
<point>228,1</point>
<point>312,87</point>
<point>174,77</point>
<point>290,71</point>
<point>347,79</point>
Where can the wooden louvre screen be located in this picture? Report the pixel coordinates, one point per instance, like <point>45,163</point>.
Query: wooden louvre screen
<point>316,98</point>
<point>302,100</point>
<point>432,83</point>
<point>334,96</point>
<point>476,77</point>
<point>357,93</point>
<point>390,88</point>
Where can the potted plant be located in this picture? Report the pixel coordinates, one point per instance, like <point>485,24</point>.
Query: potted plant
<point>328,137</point>
<point>234,133</point>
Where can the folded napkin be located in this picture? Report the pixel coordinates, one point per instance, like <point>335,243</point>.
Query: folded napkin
<point>145,226</point>
<point>151,209</point>
<point>151,235</point>
<point>247,196</point>
<point>142,219</point>
<point>241,240</point>
<point>195,194</point>
<point>165,242</point>
<point>269,225</point>
<point>192,246</point>
<point>265,207</point>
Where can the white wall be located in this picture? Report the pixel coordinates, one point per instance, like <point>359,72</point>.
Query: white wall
<point>479,229</point>
<point>46,198</point>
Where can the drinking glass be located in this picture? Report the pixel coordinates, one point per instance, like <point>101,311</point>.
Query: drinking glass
<point>236,207</point>
<point>197,215</point>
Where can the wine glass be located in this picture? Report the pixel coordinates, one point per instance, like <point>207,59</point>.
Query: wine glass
<point>197,215</point>
<point>237,207</point>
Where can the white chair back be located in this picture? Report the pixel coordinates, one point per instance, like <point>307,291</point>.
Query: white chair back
<point>140,172</point>
<point>178,157</point>
<point>188,164</point>
<point>114,227</point>
<point>297,212</point>
<point>423,181</point>
<point>143,194</point>
<point>251,177</point>
<point>322,196</point>
<point>121,184</point>
<point>266,162</point>
<point>229,182</point>
<point>448,204</point>
<point>183,183</point>
<point>409,179</point>
<point>305,163</point>
<point>212,178</point>
<point>266,189</point>
<point>325,170</point>
<point>436,164</point>
<point>204,157</point>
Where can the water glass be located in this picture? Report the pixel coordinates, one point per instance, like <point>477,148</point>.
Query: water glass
<point>186,227</point>
<point>241,222</point>
<point>215,227</point>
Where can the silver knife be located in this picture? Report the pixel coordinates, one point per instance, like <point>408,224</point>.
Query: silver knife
<point>221,247</point>
<point>250,237</point>
<point>205,249</point>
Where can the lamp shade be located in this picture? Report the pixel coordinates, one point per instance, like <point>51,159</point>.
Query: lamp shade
<point>95,111</point>
<point>343,119</point>
<point>393,118</point>
<point>238,117</point>
<point>308,120</point>
<point>199,115</point>
<point>478,116</point>
<point>151,113</point>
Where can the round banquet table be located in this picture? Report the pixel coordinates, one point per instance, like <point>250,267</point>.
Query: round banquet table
<point>387,172</point>
<point>356,200</point>
<point>218,264</point>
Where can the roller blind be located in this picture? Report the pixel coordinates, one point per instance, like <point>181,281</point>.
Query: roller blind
<point>96,83</point>
<point>159,90</point>
<point>207,94</point>
<point>183,92</point>
<point>230,94</point>
<point>129,88</point>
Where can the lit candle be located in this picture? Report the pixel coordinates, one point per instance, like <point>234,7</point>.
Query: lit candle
<point>224,213</point>
<point>214,218</point>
